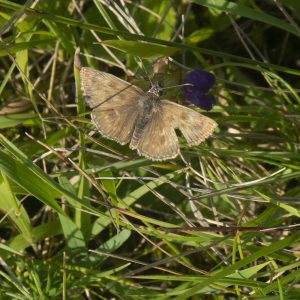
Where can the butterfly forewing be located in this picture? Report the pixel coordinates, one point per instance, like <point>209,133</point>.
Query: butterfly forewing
<point>114,102</point>
<point>106,90</point>
<point>116,123</point>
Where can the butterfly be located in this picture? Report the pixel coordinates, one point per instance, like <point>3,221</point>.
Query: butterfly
<point>124,113</point>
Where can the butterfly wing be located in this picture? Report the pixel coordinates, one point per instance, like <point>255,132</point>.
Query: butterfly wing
<point>159,140</point>
<point>115,103</point>
<point>194,126</point>
<point>106,90</point>
<point>116,123</point>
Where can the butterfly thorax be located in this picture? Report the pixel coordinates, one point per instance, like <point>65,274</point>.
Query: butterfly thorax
<point>155,90</point>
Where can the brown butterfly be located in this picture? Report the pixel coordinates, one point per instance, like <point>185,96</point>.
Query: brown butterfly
<point>124,113</point>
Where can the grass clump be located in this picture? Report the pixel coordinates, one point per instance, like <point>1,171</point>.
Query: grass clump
<point>83,217</point>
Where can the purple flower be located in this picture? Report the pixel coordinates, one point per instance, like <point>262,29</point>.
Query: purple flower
<point>196,93</point>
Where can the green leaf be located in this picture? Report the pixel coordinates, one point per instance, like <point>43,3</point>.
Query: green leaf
<point>247,12</point>
<point>20,243</point>
<point>72,233</point>
<point>98,256</point>
<point>31,179</point>
<point>6,50</point>
<point>200,35</point>
<point>9,121</point>
<point>10,205</point>
<point>141,49</point>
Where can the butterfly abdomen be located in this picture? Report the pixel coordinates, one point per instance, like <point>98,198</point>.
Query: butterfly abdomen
<point>149,106</point>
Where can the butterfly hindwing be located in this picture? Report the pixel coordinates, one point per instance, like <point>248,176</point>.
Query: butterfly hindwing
<point>194,126</point>
<point>159,140</point>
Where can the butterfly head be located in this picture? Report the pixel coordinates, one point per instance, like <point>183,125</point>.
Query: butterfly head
<point>155,89</point>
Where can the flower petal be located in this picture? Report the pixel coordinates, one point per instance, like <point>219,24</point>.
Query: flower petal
<point>196,92</point>
<point>191,94</point>
<point>206,102</point>
<point>201,80</point>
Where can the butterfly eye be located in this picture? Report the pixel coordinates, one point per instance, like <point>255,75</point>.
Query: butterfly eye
<point>199,83</point>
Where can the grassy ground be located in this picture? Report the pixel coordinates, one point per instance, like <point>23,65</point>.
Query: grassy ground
<point>85,218</point>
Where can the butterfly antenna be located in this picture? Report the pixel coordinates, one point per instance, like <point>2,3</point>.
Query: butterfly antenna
<point>178,85</point>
